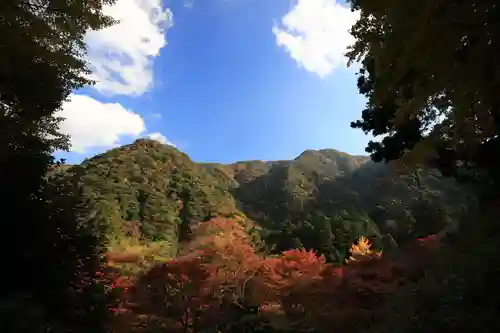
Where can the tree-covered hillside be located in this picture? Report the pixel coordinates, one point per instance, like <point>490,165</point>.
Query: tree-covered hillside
<point>148,192</point>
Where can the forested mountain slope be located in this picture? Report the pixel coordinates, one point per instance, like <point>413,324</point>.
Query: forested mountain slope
<point>322,199</point>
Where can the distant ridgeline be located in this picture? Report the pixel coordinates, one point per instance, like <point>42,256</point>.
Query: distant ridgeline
<point>148,193</point>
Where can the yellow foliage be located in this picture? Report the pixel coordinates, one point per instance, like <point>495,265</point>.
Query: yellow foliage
<point>362,249</point>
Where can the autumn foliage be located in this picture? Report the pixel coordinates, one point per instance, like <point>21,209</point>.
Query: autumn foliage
<point>221,278</point>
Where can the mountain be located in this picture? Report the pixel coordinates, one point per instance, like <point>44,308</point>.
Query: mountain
<point>152,193</point>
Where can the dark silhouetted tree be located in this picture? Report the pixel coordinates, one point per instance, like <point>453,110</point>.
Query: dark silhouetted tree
<point>429,72</point>
<point>50,247</point>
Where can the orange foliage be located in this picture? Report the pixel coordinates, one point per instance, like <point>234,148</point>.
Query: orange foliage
<point>229,249</point>
<point>222,271</point>
<point>177,293</point>
<point>232,228</point>
<point>288,281</point>
<point>314,293</point>
<point>188,292</point>
<point>291,269</point>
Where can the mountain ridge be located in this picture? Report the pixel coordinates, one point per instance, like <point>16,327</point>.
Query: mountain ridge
<point>159,189</point>
<point>211,163</point>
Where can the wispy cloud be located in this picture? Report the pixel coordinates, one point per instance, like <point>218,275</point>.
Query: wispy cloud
<point>316,34</point>
<point>155,115</point>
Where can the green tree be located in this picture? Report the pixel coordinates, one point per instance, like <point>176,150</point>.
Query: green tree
<point>51,250</point>
<point>328,239</point>
<point>194,205</point>
<point>429,72</point>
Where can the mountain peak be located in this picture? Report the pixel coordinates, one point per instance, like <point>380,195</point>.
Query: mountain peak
<point>148,142</point>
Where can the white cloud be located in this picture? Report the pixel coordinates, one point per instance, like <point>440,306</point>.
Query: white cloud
<point>316,34</point>
<point>94,124</point>
<point>121,59</point>
<point>121,56</point>
<point>160,138</point>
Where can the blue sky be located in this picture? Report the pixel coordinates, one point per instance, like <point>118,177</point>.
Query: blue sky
<point>222,80</point>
